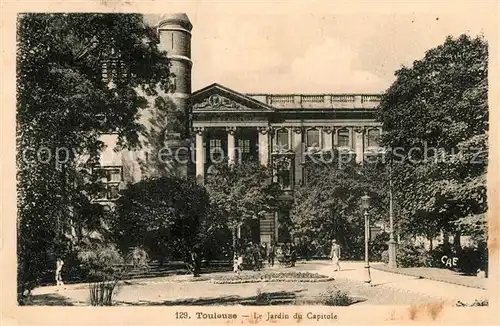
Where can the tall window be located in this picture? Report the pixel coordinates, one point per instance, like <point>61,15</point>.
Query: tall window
<point>110,177</point>
<point>373,137</point>
<point>343,138</point>
<point>216,150</point>
<point>282,140</point>
<point>244,145</point>
<point>215,143</point>
<point>312,138</point>
<point>245,149</point>
<point>114,69</point>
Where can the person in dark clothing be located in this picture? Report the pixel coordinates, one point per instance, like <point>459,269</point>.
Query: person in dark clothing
<point>263,251</point>
<point>256,256</point>
<point>293,254</point>
<point>285,249</point>
<point>249,253</point>
<point>196,262</point>
<point>271,253</point>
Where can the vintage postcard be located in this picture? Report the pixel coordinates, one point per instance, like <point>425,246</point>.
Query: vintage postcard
<point>235,162</point>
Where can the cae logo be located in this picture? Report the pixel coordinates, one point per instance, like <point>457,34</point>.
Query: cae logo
<point>449,262</point>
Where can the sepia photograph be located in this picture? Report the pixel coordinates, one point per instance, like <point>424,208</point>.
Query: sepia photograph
<point>258,160</point>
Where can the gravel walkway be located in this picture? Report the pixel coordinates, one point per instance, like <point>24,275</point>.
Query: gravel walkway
<point>177,290</point>
<point>449,293</point>
<point>438,274</point>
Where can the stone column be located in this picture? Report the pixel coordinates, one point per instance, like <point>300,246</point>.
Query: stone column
<point>327,137</point>
<point>297,148</point>
<point>231,145</point>
<point>200,155</point>
<point>264,145</point>
<point>359,144</point>
<point>352,136</point>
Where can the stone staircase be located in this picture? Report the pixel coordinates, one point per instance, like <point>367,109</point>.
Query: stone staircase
<point>153,270</point>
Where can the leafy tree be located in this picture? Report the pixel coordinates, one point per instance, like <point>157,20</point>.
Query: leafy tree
<point>165,124</point>
<point>329,203</point>
<point>242,192</point>
<point>63,105</point>
<point>435,118</point>
<point>164,215</point>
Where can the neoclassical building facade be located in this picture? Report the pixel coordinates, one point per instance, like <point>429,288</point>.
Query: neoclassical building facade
<point>263,127</point>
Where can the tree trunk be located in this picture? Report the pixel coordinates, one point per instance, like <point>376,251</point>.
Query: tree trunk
<point>446,241</point>
<point>234,244</point>
<point>456,242</point>
<point>430,244</point>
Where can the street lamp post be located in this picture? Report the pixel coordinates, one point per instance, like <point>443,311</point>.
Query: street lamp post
<point>365,200</point>
<point>236,239</point>
<point>392,241</point>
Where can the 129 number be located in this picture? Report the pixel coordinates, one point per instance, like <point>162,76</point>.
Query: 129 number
<point>181,315</point>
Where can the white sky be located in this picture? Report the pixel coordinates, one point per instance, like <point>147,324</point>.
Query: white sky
<point>319,49</point>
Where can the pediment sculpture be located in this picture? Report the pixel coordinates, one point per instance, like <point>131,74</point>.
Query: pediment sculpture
<point>218,102</point>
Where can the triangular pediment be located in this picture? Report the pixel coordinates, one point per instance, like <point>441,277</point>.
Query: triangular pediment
<point>219,98</point>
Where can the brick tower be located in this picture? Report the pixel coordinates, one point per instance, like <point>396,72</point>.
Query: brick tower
<point>174,31</point>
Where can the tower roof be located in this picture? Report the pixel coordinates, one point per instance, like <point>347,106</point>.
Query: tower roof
<point>176,18</point>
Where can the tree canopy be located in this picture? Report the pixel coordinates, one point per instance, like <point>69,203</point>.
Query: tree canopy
<point>329,203</point>
<point>435,122</point>
<point>64,103</point>
<point>163,215</point>
<point>242,192</point>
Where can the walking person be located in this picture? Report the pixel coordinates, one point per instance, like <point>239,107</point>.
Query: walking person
<point>293,254</point>
<point>335,254</point>
<point>285,249</point>
<point>238,261</point>
<point>196,260</point>
<point>59,266</point>
<point>263,253</point>
<point>249,255</point>
<point>271,252</point>
<point>256,256</point>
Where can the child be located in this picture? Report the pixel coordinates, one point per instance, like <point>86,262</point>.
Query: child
<point>236,268</point>
<point>238,261</point>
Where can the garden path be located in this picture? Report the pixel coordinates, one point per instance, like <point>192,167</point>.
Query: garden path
<point>445,291</point>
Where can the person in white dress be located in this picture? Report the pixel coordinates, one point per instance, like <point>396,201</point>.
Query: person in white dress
<point>335,255</point>
<point>59,266</point>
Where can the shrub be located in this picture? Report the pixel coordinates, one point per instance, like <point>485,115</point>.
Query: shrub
<point>378,245</point>
<point>384,257</point>
<point>433,257</point>
<point>105,267</point>
<point>469,260</point>
<point>353,251</point>
<point>334,297</point>
<point>410,255</point>
<point>262,298</point>
<point>101,293</point>
<point>138,258</point>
